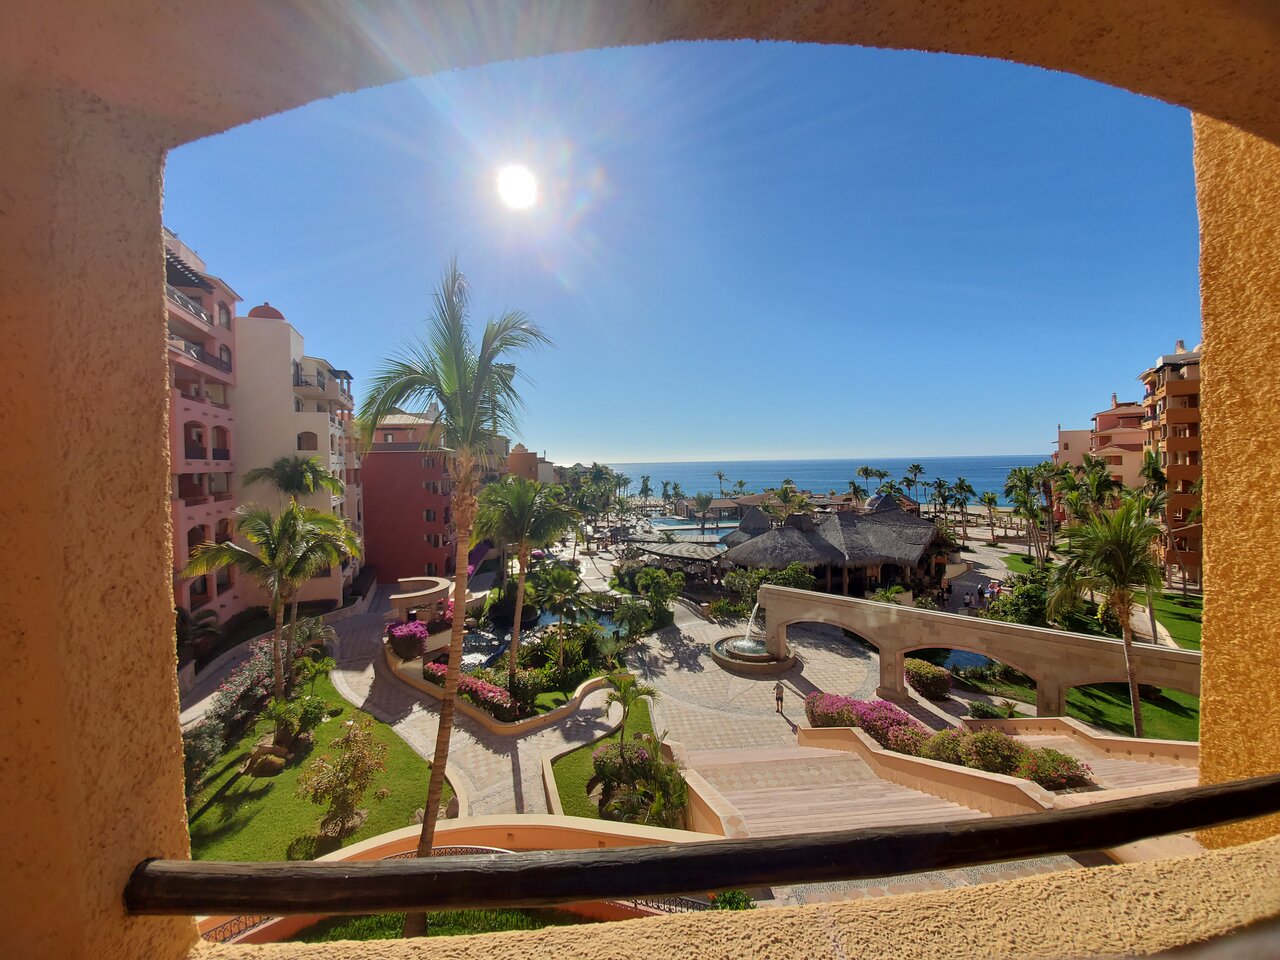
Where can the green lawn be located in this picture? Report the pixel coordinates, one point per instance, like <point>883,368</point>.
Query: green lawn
<point>241,818</point>
<point>573,770</point>
<point>1020,563</point>
<point>444,923</point>
<point>1181,617</point>
<point>1169,716</point>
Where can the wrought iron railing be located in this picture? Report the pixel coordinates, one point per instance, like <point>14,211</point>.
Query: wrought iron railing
<point>221,453</point>
<point>182,300</point>
<point>195,453</point>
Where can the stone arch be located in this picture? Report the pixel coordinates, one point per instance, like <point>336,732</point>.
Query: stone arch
<point>969,648</point>
<point>307,440</point>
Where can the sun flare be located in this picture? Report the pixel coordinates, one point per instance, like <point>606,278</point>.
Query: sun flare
<point>517,186</point>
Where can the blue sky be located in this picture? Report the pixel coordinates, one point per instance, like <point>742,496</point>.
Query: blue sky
<point>742,251</point>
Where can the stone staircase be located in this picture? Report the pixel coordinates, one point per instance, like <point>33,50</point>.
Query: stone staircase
<point>1118,773</point>
<point>790,790</point>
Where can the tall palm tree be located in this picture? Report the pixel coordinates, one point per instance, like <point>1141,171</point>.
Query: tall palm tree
<point>1049,476</point>
<point>561,589</point>
<point>1099,487</point>
<point>473,382</point>
<point>528,514</point>
<point>702,506</point>
<point>285,550</point>
<point>857,490</point>
<point>990,501</point>
<point>297,476</point>
<point>1021,490</point>
<point>914,471</point>
<point>942,494</point>
<point>963,492</point>
<point>1112,555</point>
<point>646,488</point>
<point>627,692</point>
<point>865,474</point>
<point>1152,472</point>
<point>720,477</point>
<point>677,494</point>
<point>666,494</point>
<point>191,627</point>
<point>739,487</point>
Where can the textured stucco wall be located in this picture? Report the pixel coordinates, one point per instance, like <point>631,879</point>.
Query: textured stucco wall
<point>90,755</point>
<point>1238,194</point>
<point>90,94</point>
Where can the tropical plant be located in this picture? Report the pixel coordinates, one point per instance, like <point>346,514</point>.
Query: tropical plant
<point>912,479</point>
<point>312,633</point>
<point>731,900</point>
<point>739,487</point>
<point>342,780</point>
<point>473,382</point>
<point>626,693</point>
<point>285,550</point>
<point>857,490</point>
<point>297,476</point>
<point>942,495</point>
<point>963,492</point>
<point>646,488</point>
<point>889,594</point>
<point>659,587</point>
<point>1152,473</point>
<point>1022,490</point>
<point>702,506</point>
<point>309,670</point>
<point>666,494</point>
<point>1112,555</point>
<point>865,474</point>
<point>990,500</point>
<point>721,477</point>
<point>634,616</point>
<point>561,590</point>
<point>192,628</point>
<point>529,514</point>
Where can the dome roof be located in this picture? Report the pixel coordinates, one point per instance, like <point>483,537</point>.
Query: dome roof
<point>266,310</point>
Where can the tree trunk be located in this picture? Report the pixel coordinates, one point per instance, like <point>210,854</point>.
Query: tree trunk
<point>1126,634</point>
<point>1151,615</point>
<point>514,647</point>
<point>464,503</point>
<point>277,651</point>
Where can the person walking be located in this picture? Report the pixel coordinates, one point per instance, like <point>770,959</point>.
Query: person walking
<point>777,696</point>
<point>968,601</point>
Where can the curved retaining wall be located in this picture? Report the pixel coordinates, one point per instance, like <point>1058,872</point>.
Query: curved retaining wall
<point>1183,752</point>
<point>410,671</point>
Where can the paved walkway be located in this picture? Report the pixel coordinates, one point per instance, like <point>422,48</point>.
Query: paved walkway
<point>500,774</point>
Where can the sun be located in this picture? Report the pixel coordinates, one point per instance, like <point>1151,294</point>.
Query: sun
<point>517,186</point>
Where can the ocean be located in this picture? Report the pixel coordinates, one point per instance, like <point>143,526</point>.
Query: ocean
<point>820,476</point>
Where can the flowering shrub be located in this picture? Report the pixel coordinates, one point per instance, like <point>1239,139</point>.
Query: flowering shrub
<point>829,710</point>
<point>992,751</point>
<point>945,746</point>
<point>879,717</point>
<point>928,680</point>
<point>406,639</point>
<point>443,621</point>
<point>1052,769</point>
<point>489,697</point>
<point>250,685</point>
<point>612,760</point>
<point>908,740</point>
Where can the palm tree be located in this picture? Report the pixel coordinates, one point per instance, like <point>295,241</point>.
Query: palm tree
<point>627,692</point>
<point>865,474</point>
<point>889,488</point>
<point>1049,476</point>
<point>1112,555</point>
<point>702,506</point>
<point>720,476</point>
<point>990,501</point>
<point>1152,472</point>
<point>560,588</point>
<point>1099,487</point>
<point>880,475</point>
<point>676,493</point>
<point>740,487</point>
<point>914,471</point>
<point>666,494</point>
<point>646,488</point>
<point>285,550</point>
<point>528,514</point>
<point>192,627</point>
<point>857,490</point>
<point>1020,489</point>
<point>297,476</point>
<point>963,492</point>
<point>942,494</point>
<point>473,383</point>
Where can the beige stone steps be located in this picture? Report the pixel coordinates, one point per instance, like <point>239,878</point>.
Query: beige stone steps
<point>1112,772</point>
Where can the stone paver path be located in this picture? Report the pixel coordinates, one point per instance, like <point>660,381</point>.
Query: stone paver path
<point>501,774</point>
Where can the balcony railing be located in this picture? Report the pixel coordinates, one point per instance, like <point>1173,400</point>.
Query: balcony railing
<point>221,453</point>
<point>196,452</point>
<point>198,352</point>
<point>186,887</point>
<point>222,496</point>
<point>301,381</point>
<point>182,300</point>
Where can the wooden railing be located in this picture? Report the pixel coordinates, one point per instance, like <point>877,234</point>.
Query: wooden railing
<point>184,887</point>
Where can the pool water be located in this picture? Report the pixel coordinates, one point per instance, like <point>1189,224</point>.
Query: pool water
<point>480,647</point>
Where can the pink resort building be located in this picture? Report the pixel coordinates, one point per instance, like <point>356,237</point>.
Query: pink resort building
<point>1118,437</point>
<point>202,427</point>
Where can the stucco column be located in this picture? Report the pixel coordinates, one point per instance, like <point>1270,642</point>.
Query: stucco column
<point>90,760</point>
<point>893,684</point>
<point>775,637</point>
<point>1051,698</point>
<point>1238,197</point>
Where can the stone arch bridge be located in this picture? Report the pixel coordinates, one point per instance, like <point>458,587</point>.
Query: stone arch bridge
<point>1057,660</point>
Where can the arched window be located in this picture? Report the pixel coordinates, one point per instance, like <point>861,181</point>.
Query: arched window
<point>308,441</point>
<point>225,354</point>
<point>224,315</point>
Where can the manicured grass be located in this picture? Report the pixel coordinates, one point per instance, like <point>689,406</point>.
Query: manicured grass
<point>573,770</point>
<point>1181,617</point>
<point>1169,716</point>
<point>242,818</point>
<point>1019,563</point>
<point>444,923</point>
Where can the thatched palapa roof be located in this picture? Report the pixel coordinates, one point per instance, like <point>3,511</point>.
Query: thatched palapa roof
<point>796,541</point>
<point>681,550</point>
<point>753,524</point>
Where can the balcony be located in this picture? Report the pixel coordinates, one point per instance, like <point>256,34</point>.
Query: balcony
<point>194,451</point>
<point>187,304</point>
<point>197,352</point>
<point>1182,415</point>
<point>221,453</point>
